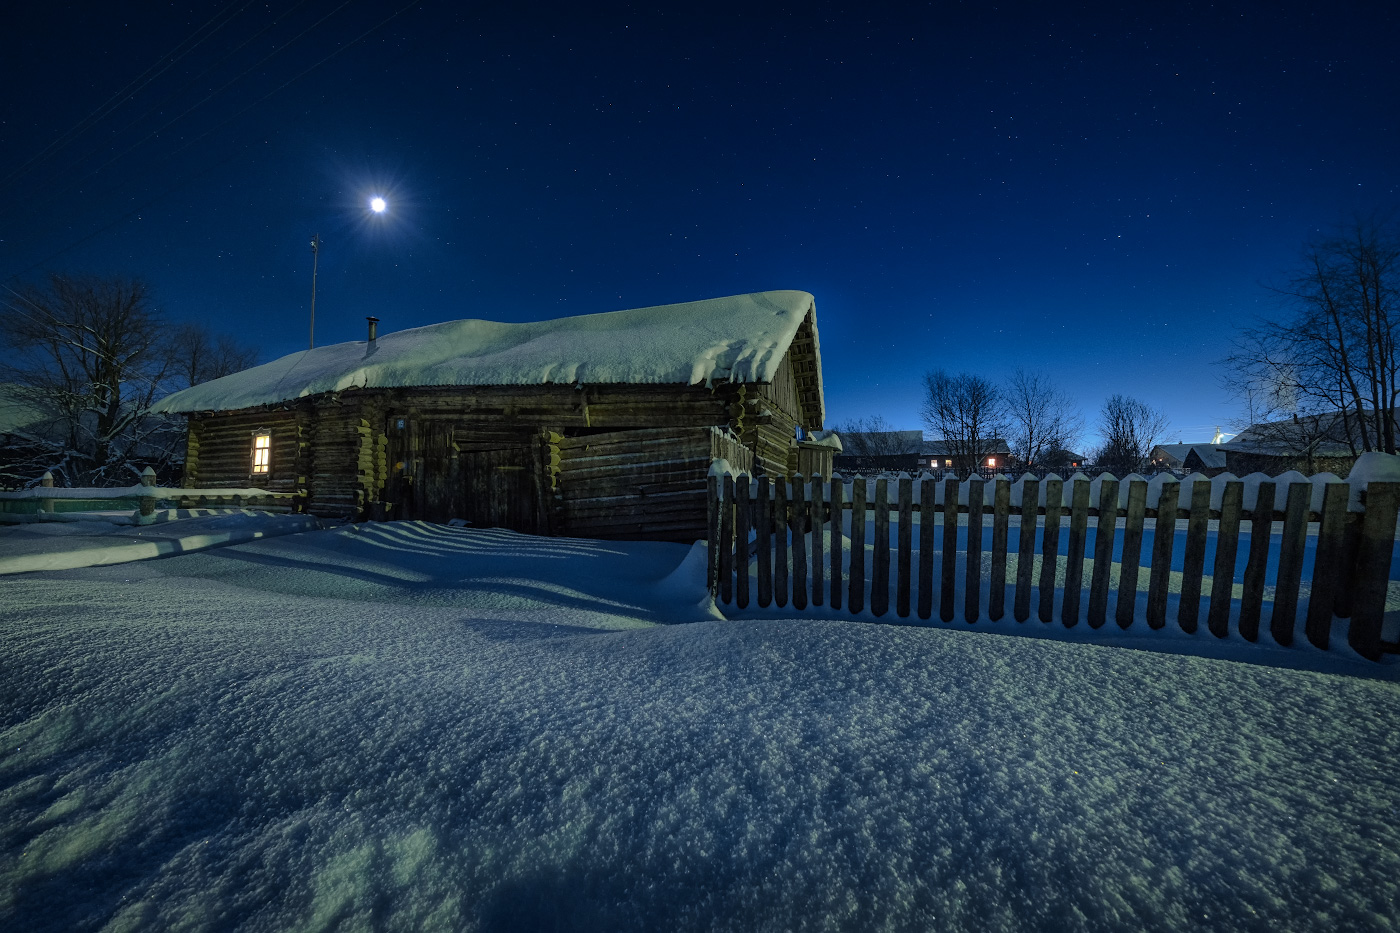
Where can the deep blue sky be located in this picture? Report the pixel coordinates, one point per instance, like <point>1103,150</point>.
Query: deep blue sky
<point>1101,193</point>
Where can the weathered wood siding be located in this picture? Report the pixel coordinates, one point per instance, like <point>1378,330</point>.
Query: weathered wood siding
<point>642,483</point>
<point>604,461</point>
<point>219,450</point>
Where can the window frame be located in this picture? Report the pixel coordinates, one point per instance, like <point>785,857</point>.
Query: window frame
<point>266,463</point>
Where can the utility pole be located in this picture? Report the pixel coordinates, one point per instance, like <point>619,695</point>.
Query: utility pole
<point>315,260</point>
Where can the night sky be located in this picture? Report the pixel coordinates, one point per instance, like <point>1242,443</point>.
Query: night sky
<point>1102,193</point>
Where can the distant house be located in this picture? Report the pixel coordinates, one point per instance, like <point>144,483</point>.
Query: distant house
<point>875,451</point>
<point>602,425</point>
<point>1208,459</point>
<point>907,451</point>
<point>1318,443</point>
<point>938,455</point>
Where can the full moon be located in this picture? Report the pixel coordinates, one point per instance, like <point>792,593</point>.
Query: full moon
<point>377,205</point>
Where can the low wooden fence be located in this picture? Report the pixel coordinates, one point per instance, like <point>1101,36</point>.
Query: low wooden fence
<point>783,527</point>
<point>146,495</point>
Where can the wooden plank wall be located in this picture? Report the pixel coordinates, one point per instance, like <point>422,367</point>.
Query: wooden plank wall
<point>219,451</point>
<point>1345,582</point>
<point>646,483</point>
<point>342,450</point>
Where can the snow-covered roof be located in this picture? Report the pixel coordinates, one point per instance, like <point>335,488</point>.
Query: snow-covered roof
<point>741,338</point>
<point>1210,455</point>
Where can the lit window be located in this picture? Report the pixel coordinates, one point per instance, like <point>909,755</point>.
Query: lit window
<point>947,463</point>
<point>262,452</point>
<point>991,461</point>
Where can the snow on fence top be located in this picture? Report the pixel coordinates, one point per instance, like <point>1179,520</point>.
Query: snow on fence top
<point>1371,467</point>
<point>741,338</point>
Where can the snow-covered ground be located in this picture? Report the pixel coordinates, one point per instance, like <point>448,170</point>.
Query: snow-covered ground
<point>72,540</point>
<point>406,726</point>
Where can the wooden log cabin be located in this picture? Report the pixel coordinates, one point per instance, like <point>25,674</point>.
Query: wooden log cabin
<point>601,425</point>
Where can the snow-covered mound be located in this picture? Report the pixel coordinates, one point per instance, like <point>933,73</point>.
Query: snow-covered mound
<point>741,338</point>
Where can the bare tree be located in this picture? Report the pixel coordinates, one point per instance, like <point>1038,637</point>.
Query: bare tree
<point>89,355</point>
<point>876,437</point>
<point>196,355</point>
<point>1333,348</point>
<point>1043,417</point>
<point>1130,429</point>
<point>873,444</point>
<point>968,412</point>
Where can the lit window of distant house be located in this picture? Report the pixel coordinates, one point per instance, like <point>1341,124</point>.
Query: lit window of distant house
<point>947,463</point>
<point>262,452</point>
<point>991,461</point>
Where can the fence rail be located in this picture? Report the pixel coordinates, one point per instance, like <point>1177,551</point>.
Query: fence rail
<point>783,528</point>
<point>147,494</point>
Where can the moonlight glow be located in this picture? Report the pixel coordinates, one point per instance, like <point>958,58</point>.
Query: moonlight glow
<point>377,205</point>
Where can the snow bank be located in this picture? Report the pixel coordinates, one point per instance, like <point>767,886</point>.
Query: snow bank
<point>74,543</point>
<point>741,338</point>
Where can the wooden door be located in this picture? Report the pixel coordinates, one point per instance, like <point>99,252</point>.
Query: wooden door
<point>499,488</point>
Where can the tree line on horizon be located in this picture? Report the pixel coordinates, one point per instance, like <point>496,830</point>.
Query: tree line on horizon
<point>1324,368</point>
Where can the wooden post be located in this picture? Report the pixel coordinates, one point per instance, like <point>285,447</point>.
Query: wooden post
<point>880,572</point>
<point>1252,592</point>
<point>1227,542</point>
<point>712,517</point>
<point>1290,563</point>
<point>46,482</point>
<point>1163,539</point>
<point>1105,530</point>
<point>857,590</point>
<point>799,542</point>
<point>741,538</point>
<point>817,506</point>
<point>1025,552</point>
<point>726,540</point>
<point>1050,548</point>
<point>763,525</point>
<point>906,545</point>
<point>1193,563</point>
<point>1130,568</point>
<point>1074,560</point>
<point>1351,542</point>
<point>1373,569</point>
<point>972,581</point>
<point>1327,565</point>
<point>1001,524</point>
<point>928,507</point>
<point>780,541</point>
<point>147,510</point>
<point>838,490</point>
<point>950,549</point>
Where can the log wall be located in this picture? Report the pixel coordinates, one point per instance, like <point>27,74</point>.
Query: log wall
<point>603,461</point>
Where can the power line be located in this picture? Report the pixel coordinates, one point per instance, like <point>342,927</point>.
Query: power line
<point>136,84</point>
<point>77,180</point>
<point>136,210</point>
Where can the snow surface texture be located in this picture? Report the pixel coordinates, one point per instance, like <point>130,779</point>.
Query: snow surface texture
<point>741,338</point>
<point>81,541</point>
<point>405,727</point>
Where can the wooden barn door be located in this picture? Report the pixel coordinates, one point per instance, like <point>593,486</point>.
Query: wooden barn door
<point>440,470</point>
<point>499,488</point>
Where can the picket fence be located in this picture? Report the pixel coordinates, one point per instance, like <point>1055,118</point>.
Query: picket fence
<point>782,526</point>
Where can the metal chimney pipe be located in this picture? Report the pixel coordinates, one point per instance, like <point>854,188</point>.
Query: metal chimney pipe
<point>373,329</point>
